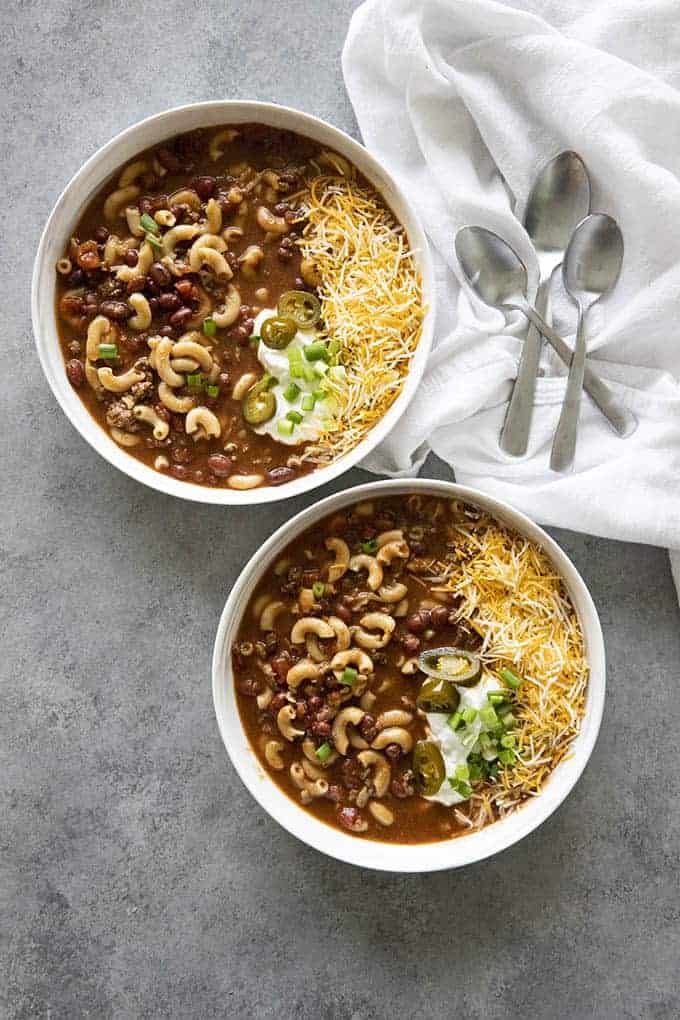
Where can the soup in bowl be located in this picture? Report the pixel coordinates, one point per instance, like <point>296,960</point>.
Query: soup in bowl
<point>239,306</point>
<point>410,676</point>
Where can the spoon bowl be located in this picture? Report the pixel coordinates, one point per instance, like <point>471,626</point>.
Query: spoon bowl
<point>593,261</point>
<point>558,201</point>
<point>492,268</point>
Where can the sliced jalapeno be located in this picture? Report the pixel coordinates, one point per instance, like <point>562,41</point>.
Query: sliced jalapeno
<point>278,331</point>
<point>428,768</point>
<point>463,668</point>
<point>438,695</point>
<point>259,403</point>
<point>301,306</point>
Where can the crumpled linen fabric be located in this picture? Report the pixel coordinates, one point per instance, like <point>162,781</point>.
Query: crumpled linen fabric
<point>464,101</point>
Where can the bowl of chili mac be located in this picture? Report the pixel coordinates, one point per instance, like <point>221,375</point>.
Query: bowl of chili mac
<point>232,302</point>
<point>409,676</point>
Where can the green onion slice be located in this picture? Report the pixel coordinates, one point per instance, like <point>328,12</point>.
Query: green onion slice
<point>195,380</point>
<point>292,392</point>
<point>349,675</point>
<point>318,589</point>
<point>316,351</point>
<point>369,546</point>
<point>511,679</point>
<point>308,401</point>
<point>294,416</point>
<point>107,352</point>
<point>212,391</point>
<point>285,428</point>
<point>209,327</point>
<point>324,752</point>
<point>154,242</point>
<point>149,224</point>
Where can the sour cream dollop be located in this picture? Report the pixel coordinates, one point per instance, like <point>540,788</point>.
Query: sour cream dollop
<point>453,750</point>
<point>276,363</point>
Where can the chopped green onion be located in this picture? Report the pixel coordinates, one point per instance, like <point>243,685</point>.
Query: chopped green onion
<point>462,788</point>
<point>308,401</point>
<point>511,679</point>
<point>507,756</point>
<point>462,772</point>
<point>294,416</point>
<point>316,351</point>
<point>324,752</point>
<point>349,675</point>
<point>195,380</point>
<point>369,546</point>
<point>468,737</point>
<point>309,373</point>
<point>148,223</point>
<point>334,346</point>
<point>209,327</point>
<point>488,716</point>
<point>212,391</point>
<point>508,740</point>
<point>284,427</point>
<point>509,720</point>
<point>107,352</point>
<point>153,241</point>
<point>455,720</point>
<point>498,698</point>
<point>295,363</point>
<point>319,395</point>
<point>291,392</point>
<point>469,715</point>
<point>319,589</point>
<point>254,338</point>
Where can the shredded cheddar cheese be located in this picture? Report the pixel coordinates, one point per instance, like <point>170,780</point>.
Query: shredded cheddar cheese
<point>506,589</point>
<point>371,302</point>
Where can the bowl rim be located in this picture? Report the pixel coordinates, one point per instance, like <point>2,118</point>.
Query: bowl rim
<point>373,854</point>
<point>232,111</point>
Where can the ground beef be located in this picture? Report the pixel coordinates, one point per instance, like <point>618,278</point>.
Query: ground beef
<point>119,416</point>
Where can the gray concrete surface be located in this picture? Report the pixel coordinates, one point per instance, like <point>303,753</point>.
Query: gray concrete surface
<point>138,879</point>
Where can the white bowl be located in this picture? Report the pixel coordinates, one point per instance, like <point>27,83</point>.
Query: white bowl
<point>89,180</point>
<point>367,853</point>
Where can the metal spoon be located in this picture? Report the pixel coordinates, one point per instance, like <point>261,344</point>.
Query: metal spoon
<point>559,200</point>
<point>499,277</point>
<point>591,268</point>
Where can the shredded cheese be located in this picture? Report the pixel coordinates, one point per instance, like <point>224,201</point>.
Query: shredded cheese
<point>371,301</point>
<point>506,590</point>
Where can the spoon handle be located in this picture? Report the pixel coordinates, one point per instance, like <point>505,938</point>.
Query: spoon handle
<point>619,417</point>
<point>515,432</point>
<point>564,441</point>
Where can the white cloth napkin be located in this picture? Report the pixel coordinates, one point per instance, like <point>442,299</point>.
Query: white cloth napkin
<point>464,101</point>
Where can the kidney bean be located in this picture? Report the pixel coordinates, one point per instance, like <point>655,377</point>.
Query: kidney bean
<point>153,304</point>
<point>75,372</point>
<point>205,186</point>
<point>88,256</point>
<point>301,709</point>
<point>101,234</point>
<point>71,304</point>
<point>393,751</point>
<point>411,644</point>
<point>167,331</point>
<point>180,317</point>
<point>352,773</point>
<point>341,611</point>
<point>131,257</point>
<point>281,664</point>
<point>439,616</point>
<point>416,622</point>
<point>220,465</point>
<point>199,476</point>
<point>284,254</point>
<point>248,686</point>
<point>179,471</point>
<point>368,728</point>
<point>169,301</point>
<point>160,275</point>
<point>277,702</point>
<point>247,326</point>
<point>75,278</point>
<point>116,310</point>
<point>136,284</point>
<point>280,475</point>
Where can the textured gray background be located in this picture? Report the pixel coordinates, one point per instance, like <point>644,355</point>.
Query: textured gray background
<point>138,878</point>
